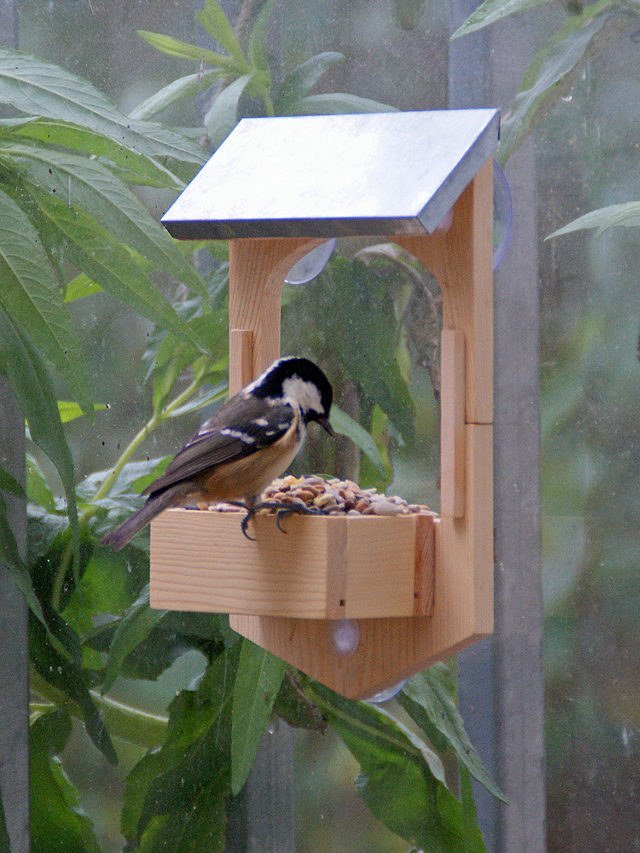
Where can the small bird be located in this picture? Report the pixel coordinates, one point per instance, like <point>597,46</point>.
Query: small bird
<point>235,454</point>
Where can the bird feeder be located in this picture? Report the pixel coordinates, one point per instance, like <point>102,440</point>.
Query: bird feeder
<point>405,591</point>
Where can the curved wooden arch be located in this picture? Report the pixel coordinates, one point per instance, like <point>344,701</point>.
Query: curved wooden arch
<point>391,649</point>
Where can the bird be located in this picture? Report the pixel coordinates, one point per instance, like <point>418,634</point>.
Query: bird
<point>235,454</point>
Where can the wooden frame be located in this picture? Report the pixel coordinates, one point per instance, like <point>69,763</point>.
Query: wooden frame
<point>391,647</point>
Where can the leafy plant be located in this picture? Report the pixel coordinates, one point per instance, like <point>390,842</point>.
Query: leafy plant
<point>245,71</point>
<point>556,67</point>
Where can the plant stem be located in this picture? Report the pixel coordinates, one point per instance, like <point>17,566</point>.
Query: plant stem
<point>108,483</point>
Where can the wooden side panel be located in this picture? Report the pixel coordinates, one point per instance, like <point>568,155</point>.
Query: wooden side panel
<point>452,437</point>
<point>460,257</point>
<point>257,268</point>
<point>425,559</point>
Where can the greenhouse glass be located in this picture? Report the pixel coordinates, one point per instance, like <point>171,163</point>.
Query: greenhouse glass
<point>153,729</point>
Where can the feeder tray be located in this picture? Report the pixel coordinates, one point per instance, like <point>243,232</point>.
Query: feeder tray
<point>324,567</point>
<point>420,587</point>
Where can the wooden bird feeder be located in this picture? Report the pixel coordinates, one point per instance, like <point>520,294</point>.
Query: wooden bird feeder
<point>413,589</point>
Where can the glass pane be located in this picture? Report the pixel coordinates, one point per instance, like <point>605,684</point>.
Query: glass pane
<point>94,229</point>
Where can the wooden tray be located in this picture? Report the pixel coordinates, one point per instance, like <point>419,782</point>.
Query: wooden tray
<point>324,567</point>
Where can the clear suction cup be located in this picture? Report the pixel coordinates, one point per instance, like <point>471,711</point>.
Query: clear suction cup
<point>311,264</point>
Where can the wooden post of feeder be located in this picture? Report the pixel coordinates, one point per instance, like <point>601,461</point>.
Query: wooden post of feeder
<point>392,648</point>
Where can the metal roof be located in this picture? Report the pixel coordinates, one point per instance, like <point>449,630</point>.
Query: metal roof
<point>374,173</point>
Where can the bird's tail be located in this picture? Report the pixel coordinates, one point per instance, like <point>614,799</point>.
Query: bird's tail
<point>121,534</point>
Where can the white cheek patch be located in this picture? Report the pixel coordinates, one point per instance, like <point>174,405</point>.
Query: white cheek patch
<point>305,394</point>
<point>236,433</point>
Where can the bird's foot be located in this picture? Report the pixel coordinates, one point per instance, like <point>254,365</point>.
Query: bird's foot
<point>283,509</point>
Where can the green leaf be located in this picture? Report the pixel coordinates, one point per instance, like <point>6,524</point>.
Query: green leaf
<point>299,83</point>
<point>57,821</point>
<point>491,11</point>
<point>216,23</point>
<point>552,72</point>
<point>67,135</point>
<point>370,356</point>
<point>174,355</point>
<point>128,479</point>
<point>473,841</point>
<point>132,629</point>
<point>196,404</point>
<point>38,489</point>
<point>31,297</point>
<point>81,286</point>
<point>428,698</point>
<point>167,783</point>
<point>345,425</point>
<point>69,410</point>
<point>90,185</point>
<point>337,103</point>
<point>91,248</point>
<point>255,46</point>
<point>10,555</point>
<point>258,681</point>
<point>183,87</point>
<point>175,47</point>
<point>40,88</point>
<point>5,841</point>
<point>396,778</point>
<point>196,828</point>
<point>222,116</point>
<point>68,677</point>
<point>10,484</point>
<point>31,384</point>
<point>626,215</point>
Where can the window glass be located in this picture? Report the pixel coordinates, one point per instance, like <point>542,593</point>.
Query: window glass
<point>393,52</point>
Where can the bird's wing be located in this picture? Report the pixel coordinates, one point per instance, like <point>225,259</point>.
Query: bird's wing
<point>239,429</point>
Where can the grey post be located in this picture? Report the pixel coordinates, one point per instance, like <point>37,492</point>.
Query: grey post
<point>501,679</point>
<point>14,661</point>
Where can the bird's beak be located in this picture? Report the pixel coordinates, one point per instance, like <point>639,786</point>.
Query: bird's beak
<point>324,423</point>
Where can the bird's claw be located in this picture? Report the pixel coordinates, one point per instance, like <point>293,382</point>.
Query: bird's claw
<point>245,521</point>
<point>283,510</point>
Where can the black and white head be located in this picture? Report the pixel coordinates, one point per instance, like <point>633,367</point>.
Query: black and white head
<point>299,382</point>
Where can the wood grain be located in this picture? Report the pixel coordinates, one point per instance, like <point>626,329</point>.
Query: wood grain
<point>240,359</point>
<point>452,406</point>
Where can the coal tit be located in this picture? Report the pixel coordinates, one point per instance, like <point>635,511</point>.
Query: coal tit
<point>235,454</point>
